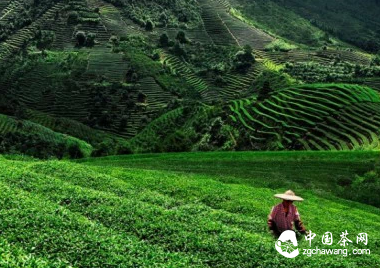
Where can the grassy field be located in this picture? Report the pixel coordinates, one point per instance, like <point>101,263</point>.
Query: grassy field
<point>299,170</point>
<point>176,210</point>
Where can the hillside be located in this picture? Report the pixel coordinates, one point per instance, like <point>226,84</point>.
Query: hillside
<point>158,76</point>
<point>23,136</point>
<point>155,133</point>
<point>132,212</point>
<point>318,22</point>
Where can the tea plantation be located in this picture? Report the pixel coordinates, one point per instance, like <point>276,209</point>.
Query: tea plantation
<point>205,88</point>
<point>178,210</point>
<point>127,76</point>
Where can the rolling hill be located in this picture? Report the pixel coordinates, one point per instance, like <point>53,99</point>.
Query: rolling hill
<point>127,77</point>
<point>180,210</point>
<point>315,22</point>
<point>196,92</point>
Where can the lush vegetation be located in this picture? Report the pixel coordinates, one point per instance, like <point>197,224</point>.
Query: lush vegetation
<point>25,137</point>
<point>150,14</point>
<point>317,22</point>
<point>350,175</point>
<point>274,17</point>
<point>18,14</point>
<point>83,82</point>
<point>121,213</point>
<point>156,76</point>
<point>308,117</point>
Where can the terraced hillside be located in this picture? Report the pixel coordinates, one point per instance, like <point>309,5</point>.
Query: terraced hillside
<point>130,131</point>
<point>112,68</point>
<point>317,117</point>
<point>20,39</point>
<point>225,29</point>
<point>35,140</point>
<point>314,23</point>
<point>73,128</point>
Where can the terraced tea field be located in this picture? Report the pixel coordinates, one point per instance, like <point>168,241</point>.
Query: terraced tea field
<point>22,37</point>
<point>236,83</point>
<point>140,211</point>
<point>179,67</point>
<point>92,85</point>
<point>9,125</point>
<point>316,117</point>
<point>373,83</point>
<point>69,127</point>
<point>155,128</point>
<point>102,62</point>
<point>7,8</point>
<point>225,29</point>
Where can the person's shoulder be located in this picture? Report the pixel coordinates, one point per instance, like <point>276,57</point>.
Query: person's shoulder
<point>295,209</point>
<point>277,206</point>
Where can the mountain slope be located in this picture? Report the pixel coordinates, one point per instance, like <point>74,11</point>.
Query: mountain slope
<point>312,117</point>
<point>23,136</point>
<point>114,69</point>
<point>311,22</point>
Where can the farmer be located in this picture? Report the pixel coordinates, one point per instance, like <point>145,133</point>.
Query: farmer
<point>284,215</point>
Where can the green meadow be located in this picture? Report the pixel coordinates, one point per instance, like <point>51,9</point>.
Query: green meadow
<point>180,210</point>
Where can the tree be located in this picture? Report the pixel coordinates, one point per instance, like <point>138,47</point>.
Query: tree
<point>105,119</point>
<point>45,39</point>
<point>164,40</point>
<point>246,55</point>
<point>141,97</point>
<point>114,40</point>
<point>177,142</point>
<point>244,58</point>
<point>134,77</point>
<point>73,17</point>
<point>90,39</point>
<point>149,25</point>
<point>123,122</point>
<point>376,60</point>
<point>163,19</point>
<point>182,16</point>
<point>101,149</point>
<point>181,37</point>
<point>80,36</point>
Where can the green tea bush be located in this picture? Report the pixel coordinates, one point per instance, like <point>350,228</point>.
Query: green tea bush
<point>365,188</point>
<point>280,45</point>
<point>34,144</point>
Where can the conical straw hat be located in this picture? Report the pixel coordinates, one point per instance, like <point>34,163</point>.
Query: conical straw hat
<point>289,195</point>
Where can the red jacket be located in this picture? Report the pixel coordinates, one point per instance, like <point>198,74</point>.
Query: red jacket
<point>279,221</point>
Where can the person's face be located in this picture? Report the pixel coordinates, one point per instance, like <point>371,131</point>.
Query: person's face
<point>287,202</point>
